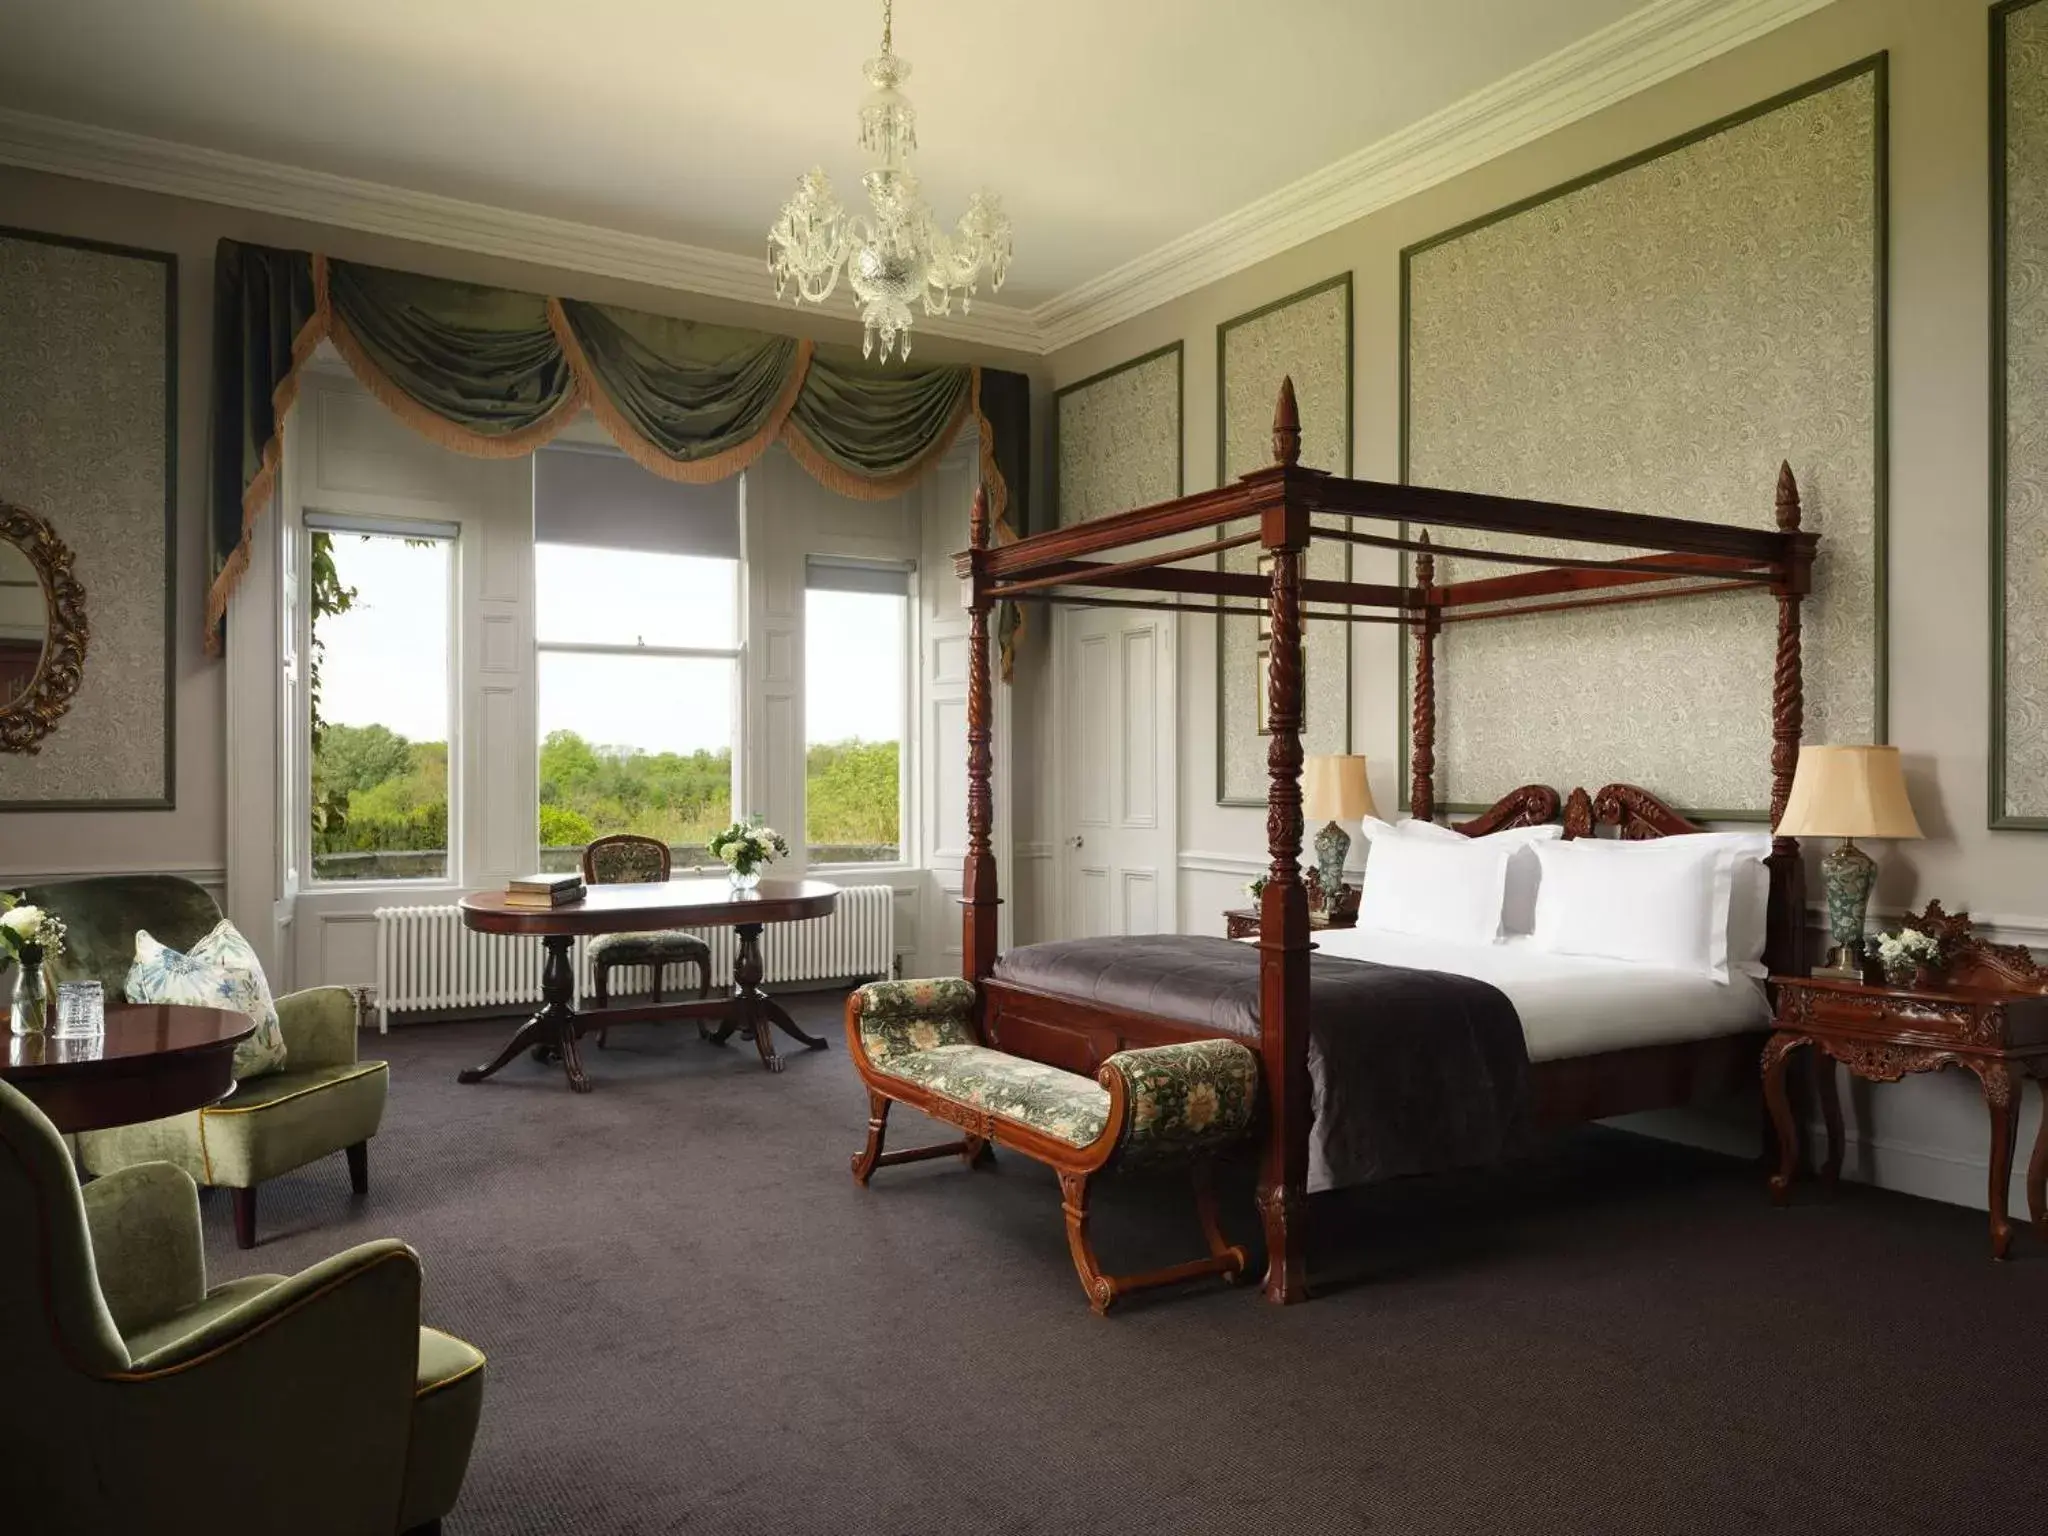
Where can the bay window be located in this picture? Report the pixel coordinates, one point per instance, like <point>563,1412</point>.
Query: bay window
<point>637,627</point>
<point>380,600</point>
<point>856,710</point>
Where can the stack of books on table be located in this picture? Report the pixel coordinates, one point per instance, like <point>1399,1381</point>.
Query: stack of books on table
<point>544,891</point>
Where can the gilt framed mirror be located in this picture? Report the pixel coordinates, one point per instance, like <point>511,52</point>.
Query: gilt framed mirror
<point>43,629</point>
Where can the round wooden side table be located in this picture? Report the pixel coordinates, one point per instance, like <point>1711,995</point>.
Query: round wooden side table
<point>153,1060</point>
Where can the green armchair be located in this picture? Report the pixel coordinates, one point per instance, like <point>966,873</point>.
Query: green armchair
<point>138,1399</point>
<point>324,1100</point>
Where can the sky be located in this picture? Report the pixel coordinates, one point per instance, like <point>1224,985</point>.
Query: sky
<point>386,660</point>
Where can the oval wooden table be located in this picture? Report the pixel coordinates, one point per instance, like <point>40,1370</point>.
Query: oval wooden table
<point>153,1060</point>
<point>640,908</point>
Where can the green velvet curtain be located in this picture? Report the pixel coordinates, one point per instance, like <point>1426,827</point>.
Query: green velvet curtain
<point>480,364</point>
<point>495,372</point>
<point>878,421</point>
<point>694,392</point>
<point>263,308</point>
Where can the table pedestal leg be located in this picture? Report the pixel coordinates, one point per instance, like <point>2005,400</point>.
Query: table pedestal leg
<point>552,1031</point>
<point>755,1014</point>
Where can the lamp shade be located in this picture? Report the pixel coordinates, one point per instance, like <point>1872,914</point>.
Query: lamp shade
<point>1334,789</point>
<point>1848,792</point>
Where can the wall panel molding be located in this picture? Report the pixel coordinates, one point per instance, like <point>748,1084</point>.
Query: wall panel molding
<point>89,390</point>
<point>1119,437</point>
<point>1307,336</point>
<point>1656,336</point>
<point>2018,757</point>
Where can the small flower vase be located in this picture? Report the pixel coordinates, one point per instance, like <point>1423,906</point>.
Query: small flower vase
<point>745,879</point>
<point>30,1010</point>
<point>1901,972</point>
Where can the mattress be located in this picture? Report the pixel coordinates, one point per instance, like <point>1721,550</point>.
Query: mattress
<point>1570,1005</point>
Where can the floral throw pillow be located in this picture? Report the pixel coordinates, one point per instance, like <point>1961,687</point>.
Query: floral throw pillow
<point>220,971</point>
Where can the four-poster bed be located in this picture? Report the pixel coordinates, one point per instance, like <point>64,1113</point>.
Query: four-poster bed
<point>1289,506</point>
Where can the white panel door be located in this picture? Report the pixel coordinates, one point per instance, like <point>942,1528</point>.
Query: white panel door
<point>1118,775</point>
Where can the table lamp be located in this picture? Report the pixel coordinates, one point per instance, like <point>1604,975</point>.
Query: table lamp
<point>1334,789</point>
<point>1848,792</point>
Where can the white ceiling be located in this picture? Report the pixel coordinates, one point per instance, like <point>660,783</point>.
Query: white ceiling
<point>1111,127</point>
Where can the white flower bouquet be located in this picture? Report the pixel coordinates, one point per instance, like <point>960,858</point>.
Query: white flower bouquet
<point>30,936</point>
<point>748,847</point>
<point>25,928</point>
<point>1908,951</point>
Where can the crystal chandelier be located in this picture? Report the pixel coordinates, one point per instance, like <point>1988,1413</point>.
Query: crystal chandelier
<point>898,253</point>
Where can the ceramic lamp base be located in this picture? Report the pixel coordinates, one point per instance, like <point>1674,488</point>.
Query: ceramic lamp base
<point>1849,874</point>
<point>1333,846</point>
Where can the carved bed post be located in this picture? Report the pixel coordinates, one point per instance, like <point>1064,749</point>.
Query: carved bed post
<point>1785,952</point>
<point>978,875</point>
<point>1422,726</point>
<point>1283,908</point>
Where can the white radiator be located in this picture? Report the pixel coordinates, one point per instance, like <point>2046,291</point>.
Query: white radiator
<point>427,960</point>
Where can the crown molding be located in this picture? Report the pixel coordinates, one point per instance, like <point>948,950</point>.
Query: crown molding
<point>1664,38</point>
<point>240,181</point>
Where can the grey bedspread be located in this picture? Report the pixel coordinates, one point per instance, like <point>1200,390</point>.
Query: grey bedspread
<point>1414,1071</point>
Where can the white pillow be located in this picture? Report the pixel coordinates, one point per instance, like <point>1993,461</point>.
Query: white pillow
<point>1663,901</point>
<point>1749,903</point>
<point>1518,907</point>
<point>1436,890</point>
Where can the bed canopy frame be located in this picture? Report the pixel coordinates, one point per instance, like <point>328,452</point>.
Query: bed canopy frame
<point>1289,507</point>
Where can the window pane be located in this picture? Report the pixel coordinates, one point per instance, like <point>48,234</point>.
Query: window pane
<point>591,596</point>
<point>856,660</point>
<point>634,744</point>
<point>377,687</point>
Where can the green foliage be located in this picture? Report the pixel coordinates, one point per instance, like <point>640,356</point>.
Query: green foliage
<point>561,827</point>
<point>328,597</point>
<point>392,794</point>
<point>850,794</point>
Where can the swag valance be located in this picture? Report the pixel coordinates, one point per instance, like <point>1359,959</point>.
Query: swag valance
<point>497,373</point>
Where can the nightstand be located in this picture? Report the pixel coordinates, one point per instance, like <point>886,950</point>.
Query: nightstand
<point>1243,922</point>
<point>1882,1033</point>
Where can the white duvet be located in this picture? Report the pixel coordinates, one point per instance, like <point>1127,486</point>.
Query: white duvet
<point>1570,1005</point>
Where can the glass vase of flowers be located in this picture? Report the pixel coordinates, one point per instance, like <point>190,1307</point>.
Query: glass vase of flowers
<point>31,936</point>
<point>746,848</point>
<point>1911,958</point>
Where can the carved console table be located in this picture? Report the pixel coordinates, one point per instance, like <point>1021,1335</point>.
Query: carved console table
<point>1979,1022</point>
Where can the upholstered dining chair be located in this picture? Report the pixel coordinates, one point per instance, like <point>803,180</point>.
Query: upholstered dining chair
<point>628,858</point>
<point>322,1102</point>
<point>138,1398</point>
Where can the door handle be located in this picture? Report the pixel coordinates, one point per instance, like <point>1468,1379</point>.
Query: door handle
<point>1074,842</point>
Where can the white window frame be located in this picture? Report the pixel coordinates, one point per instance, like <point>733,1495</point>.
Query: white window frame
<point>313,520</point>
<point>736,653</point>
<point>908,755</point>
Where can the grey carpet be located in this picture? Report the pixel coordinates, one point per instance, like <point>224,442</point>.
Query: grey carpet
<point>696,1323</point>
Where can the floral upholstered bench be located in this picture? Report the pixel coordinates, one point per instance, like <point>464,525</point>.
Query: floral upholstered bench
<point>914,1042</point>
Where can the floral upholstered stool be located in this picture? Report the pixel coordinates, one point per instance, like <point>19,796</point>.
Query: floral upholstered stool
<point>915,1043</point>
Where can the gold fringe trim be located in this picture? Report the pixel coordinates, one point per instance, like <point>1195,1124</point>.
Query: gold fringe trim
<point>438,429</point>
<point>837,477</point>
<point>649,456</point>
<point>258,493</point>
